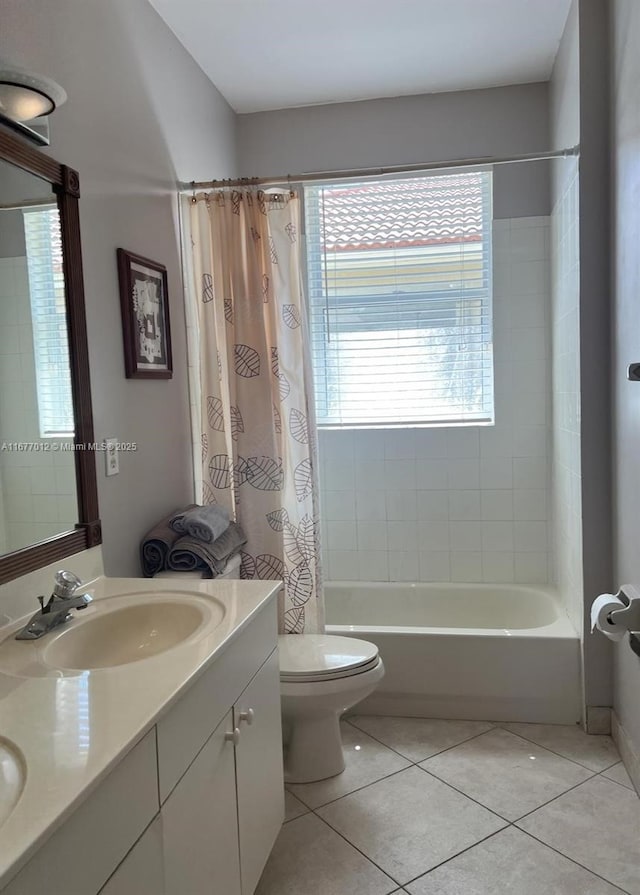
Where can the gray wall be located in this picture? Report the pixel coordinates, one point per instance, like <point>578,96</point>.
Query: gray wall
<point>140,114</point>
<point>17,186</point>
<point>564,99</point>
<point>595,413</point>
<point>579,111</point>
<point>501,121</point>
<point>626,335</point>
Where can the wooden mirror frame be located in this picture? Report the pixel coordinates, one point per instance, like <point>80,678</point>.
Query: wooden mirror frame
<point>87,533</point>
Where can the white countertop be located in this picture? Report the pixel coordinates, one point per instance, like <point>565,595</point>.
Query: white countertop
<point>73,727</point>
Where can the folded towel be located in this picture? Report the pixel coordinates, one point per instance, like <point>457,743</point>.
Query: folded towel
<point>205,523</point>
<point>190,554</point>
<point>156,544</point>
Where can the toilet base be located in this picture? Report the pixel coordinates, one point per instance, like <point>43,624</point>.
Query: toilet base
<point>311,713</point>
<point>314,751</point>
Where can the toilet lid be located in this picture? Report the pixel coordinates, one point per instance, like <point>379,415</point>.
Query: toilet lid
<point>323,657</point>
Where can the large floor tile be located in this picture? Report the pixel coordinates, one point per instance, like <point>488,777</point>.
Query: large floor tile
<point>419,738</point>
<point>366,760</point>
<point>619,773</point>
<point>293,807</point>
<point>310,858</point>
<point>409,823</point>
<point>509,775</point>
<point>514,863</point>
<point>569,740</point>
<point>597,825</point>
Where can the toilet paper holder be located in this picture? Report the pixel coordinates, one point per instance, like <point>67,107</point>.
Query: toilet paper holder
<point>629,617</point>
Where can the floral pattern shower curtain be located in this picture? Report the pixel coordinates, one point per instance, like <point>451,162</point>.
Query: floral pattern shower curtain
<point>253,387</point>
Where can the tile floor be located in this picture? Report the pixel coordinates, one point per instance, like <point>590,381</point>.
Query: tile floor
<point>430,807</point>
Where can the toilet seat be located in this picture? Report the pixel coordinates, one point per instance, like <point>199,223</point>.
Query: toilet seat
<point>310,658</point>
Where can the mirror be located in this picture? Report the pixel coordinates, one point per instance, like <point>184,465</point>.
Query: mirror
<point>38,496</point>
<point>48,494</point>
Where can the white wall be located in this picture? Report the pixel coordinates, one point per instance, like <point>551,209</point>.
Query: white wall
<point>501,121</point>
<point>140,114</point>
<point>626,336</point>
<point>457,504</point>
<point>565,315</point>
<point>566,475</point>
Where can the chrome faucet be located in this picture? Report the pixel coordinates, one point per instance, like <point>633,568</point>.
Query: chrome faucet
<point>55,611</point>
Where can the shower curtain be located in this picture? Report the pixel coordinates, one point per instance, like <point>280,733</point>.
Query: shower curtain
<point>251,387</point>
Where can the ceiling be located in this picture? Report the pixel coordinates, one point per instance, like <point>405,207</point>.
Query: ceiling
<point>274,54</point>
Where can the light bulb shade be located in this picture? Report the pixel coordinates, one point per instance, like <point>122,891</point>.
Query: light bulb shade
<point>24,95</point>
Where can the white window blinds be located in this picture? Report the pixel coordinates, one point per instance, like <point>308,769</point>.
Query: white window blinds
<point>49,321</point>
<point>399,282</point>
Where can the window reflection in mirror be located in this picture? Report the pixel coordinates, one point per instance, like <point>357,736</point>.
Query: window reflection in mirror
<point>37,464</point>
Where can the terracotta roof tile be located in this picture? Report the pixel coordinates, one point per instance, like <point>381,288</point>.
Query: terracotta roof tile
<point>412,212</point>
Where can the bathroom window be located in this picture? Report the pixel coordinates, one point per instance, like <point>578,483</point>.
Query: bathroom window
<point>49,321</point>
<point>399,285</point>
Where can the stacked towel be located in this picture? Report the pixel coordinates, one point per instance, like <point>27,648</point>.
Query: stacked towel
<point>192,539</point>
<point>157,543</point>
<point>189,554</point>
<point>203,523</point>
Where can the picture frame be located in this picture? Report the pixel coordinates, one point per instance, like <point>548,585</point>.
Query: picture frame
<point>144,302</point>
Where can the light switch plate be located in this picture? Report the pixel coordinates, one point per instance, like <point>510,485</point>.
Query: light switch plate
<point>112,463</point>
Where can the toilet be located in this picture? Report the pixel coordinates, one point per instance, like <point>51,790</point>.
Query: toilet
<point>321,676</point>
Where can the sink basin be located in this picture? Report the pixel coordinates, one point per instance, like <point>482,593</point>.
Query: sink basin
<point>12,777</point>
<point>124,635</point>
<point>112,632</point>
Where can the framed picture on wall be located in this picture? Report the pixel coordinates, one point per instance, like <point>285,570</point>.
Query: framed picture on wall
<point>145,317</point>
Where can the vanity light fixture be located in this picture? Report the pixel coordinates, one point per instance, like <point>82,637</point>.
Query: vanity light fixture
<point>25,96</point>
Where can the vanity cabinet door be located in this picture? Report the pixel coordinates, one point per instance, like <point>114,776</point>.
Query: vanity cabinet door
<point>200,823</point>
<point>142,871</point>
<point>259,771</point>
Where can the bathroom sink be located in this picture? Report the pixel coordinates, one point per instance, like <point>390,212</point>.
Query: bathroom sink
<point>112,632</point>
<point>12,777</point>
<point>124,635</point>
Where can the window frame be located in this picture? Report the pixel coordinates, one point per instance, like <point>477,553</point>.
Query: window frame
<point>315,293</point>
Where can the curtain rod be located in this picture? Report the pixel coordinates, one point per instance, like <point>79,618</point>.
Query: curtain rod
<point>192,186</point>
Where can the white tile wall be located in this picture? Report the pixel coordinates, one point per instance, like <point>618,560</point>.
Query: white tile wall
<point>566,501</point>
<point>466,503</point>
<point>39,489</point>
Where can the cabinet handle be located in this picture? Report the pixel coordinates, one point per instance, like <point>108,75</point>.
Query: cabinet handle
<point>248,717</point>
<point>233,736</point>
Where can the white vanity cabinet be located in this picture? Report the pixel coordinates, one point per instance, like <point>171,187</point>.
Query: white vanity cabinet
<point>142,871</point>
<point>200,823</point>
<point>222,818</point>
<point>259,782</point>
<point>210,772</point>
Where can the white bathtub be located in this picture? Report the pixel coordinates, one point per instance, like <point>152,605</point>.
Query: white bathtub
<point>480,651</point>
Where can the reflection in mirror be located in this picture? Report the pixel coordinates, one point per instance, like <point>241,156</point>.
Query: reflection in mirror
<point>37,464</point>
